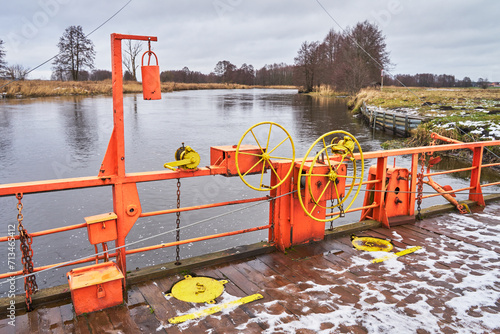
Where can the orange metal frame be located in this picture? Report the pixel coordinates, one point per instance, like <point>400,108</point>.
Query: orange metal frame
<point>286,222</point>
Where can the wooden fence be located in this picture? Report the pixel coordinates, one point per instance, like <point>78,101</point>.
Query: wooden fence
<point>397,123</point>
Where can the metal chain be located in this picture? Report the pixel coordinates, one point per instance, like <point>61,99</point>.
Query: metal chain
<point>30,286</point>
<point>178,224</point>
<point>341,207</point>
<point>331,211</point>
<point>420,186</point>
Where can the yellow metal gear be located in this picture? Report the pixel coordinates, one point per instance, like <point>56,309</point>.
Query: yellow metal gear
<point>185,157</point>
<point>371,244</point>
<point>337,152</point>
<point>197,289</point>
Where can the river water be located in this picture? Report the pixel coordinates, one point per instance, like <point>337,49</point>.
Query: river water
<point>63,137</point>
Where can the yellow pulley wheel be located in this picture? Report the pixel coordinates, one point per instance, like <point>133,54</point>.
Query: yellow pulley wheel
<point>197,289</point>
<point>274,143</point>
<point>339,172</point>
<point>371,244</point>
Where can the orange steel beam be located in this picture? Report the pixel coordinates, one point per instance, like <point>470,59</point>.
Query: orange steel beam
<point>204,206</point>
<point>425,149</point>
<point>95,181</point>
<point>207,237</point>
<point>51,231</point>
<point>490,165</point>
<point>490,184</point>
<point>59,265</point>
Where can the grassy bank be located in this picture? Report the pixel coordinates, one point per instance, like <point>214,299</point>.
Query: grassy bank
<point>465,114</point>
<point>44,88</point>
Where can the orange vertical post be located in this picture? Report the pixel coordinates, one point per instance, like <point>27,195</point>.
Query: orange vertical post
<point>126,203</point>
<point>118,139</point>
<point>476,194</point>
<point>378,212</point>
<point>413,184</point>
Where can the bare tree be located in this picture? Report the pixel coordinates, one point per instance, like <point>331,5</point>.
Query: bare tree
<point>225,70</point>
<point>131,51</point>
<point>76,52</point>
<point>329,47</point>
<point>16,72</point>
<point>360,57</point>
<point>307,64</point>
<point>3,63</point>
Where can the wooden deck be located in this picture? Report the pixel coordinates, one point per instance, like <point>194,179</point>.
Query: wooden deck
<point>451,285</point>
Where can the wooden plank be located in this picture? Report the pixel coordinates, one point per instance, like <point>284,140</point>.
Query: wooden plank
<point>67,317</point>
<point>99,322</point>
<point>121,320</point>
<point>6,328</point>
<point>33,321</point>
<point>81,325</point>
<point>22,323</point>
<point>161,309</point>
<point>455,236</point>
<point>50,320</point>
<point>250,288</point>
<point>140,312</point>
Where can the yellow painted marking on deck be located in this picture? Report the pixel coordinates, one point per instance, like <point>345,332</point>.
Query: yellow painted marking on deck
<point>392,255</point>
<point>215,309</point>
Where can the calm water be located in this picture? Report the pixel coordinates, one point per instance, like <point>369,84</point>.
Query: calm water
<point>67,137</point>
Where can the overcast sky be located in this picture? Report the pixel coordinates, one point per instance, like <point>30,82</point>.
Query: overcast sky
<point>459,37</point>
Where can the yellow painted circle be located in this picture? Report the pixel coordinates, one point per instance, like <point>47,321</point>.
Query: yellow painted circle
<point>198,289</point>
<point>372,244</point>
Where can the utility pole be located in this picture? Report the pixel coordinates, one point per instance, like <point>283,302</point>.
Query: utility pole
<point>382,79</point>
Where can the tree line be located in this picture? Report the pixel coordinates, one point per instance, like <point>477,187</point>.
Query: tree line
<point>433,80</point>
<point>346,61</point>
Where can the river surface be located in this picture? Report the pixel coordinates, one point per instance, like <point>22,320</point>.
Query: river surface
<point>51,138</point>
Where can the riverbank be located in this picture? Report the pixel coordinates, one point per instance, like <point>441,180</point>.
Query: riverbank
<point>465,114</point>
<point>44,88</point>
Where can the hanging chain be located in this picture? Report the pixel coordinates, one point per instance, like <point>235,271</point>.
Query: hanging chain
<point>341,206</point>
<point>332,205</point>
<point>420,185</point>
<point>273,202</point>
<point>30,286</point>
<point>178,224</point>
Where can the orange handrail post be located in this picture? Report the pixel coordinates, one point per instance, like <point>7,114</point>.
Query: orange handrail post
<point>378,212</point>
<point>476,194</point>
<point>413,183</point>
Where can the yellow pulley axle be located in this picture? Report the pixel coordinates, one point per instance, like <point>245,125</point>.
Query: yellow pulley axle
<point>186,158</point>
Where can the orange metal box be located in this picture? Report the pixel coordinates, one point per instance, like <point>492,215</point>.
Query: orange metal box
<point>95,287</point>
<point>226,156</point>
<point>101,228</point>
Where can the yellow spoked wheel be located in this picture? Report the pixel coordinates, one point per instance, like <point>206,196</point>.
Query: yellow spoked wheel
<point>333,173</point>
<point>274,142</point>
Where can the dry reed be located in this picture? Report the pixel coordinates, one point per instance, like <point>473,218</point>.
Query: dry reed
<point>44,88</point>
